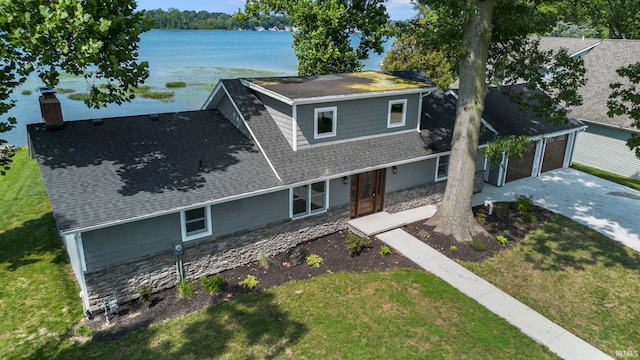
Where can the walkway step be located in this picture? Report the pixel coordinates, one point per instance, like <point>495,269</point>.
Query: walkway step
<point>557,339</point>
<point>377,223</point>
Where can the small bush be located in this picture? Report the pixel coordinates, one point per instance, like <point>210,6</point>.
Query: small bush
<point>502,239</point>
<point>27,92</point>
<point>213,284</point>
<point>250,282</point>
<point>481,216</point>
<point>314,260</point>
<point>263,260</point>
<point>356,244</point>
<point>529,218</point>
<point>523,203</point>
<point>145,295</point>
<point>85,330</point>
<point>424,234</point>
<point>453,248</point>
<point>477,246</point>
<point>175,84</point>
<point>185,289</point>
<point>384,250</point>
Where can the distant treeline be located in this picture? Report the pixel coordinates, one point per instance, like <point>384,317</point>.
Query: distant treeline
<point>204,20</point>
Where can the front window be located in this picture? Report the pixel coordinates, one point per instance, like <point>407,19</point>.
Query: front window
<point>397,113</point>
<point>196,223</point>
<point>443,167</point>
<point>325,122</point>
<point>308,199</point>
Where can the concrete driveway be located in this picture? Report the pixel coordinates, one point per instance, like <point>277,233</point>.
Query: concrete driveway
<point>609,208</point>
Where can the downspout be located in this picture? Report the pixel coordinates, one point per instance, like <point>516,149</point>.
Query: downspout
<point>83,267</point>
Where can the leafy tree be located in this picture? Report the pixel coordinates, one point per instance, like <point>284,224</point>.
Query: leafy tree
<point>322,42</point>
<point>625,100</point>
<point>410,51</point>
<point>96,39</point>
<point>565,29</point>
<point>615,19</point>
<point>478,33</point>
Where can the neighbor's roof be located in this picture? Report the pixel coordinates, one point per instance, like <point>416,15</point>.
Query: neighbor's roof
<point>601,63</point>
<point>298,88</point>
<point>133,166</point>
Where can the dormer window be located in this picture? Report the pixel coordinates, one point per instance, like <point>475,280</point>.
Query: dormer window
<point>325,122</point>
<point>397,113</point>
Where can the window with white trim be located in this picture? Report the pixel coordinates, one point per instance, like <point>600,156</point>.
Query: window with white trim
<point>442,167</point>
<point>308,199</point>
<point>325,122</point>
<point>196,223</point>
<point>397,113</point>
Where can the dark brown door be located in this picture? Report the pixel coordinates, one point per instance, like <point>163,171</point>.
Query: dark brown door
<point>367,192</point>
<point>519,169</point>
<point>554,153</point>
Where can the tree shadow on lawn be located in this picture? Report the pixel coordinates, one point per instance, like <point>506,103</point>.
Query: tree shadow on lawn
<point>557,246</point>
<point>266,328</point>
<point>26,244</point>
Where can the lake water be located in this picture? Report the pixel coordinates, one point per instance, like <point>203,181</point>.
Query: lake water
<point>198,57</point>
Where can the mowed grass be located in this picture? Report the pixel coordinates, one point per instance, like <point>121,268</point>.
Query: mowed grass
<point>39,300</point>
<point>580,279</point>
<point>399,314</point>
<point>628,182</point>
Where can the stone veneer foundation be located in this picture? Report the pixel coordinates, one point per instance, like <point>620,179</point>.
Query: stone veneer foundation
<point>211,256</point>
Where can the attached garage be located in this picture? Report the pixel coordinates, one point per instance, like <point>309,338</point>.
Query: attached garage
<point>555,150</point>
<point>521,168</point>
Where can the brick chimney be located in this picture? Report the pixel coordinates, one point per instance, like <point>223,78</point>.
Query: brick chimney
<point>51,110</point>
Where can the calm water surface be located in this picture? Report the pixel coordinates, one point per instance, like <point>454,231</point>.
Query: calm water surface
<point>198,57</point>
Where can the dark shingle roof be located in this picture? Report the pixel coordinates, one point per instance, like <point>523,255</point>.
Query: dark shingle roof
<point>601,63</point>
<point>133,166</point>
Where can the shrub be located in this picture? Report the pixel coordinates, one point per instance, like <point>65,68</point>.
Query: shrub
<point>185,289</point>
<point>314,260</point>
<point>529,218</point>
<point>263,260</point>
<point>384,250</point>
<point>85,330</point>
<point>502,239</point>
<point>481,216</point>
<point>523,203</point>
<point>27,92</point>
<point>356,244</point>
<point>175,84</point>
<point>424,234</point>
<point>250,282</point>
<point>212,284</point>
<point>453,248</point>
<point>477,245</point>
<point>145,295</point>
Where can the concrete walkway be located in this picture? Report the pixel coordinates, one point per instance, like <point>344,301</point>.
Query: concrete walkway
<point>557,339</point>
<point>609,208</point>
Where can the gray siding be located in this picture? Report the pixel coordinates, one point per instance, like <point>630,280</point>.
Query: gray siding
<point>411,175</point>
<point>281,114</point>
<point>226,108</point>
<point>356,118</point>
<point>339,192</point>
<point>480,160</point>
<point>249,213</point>
<point>74,259</point>
<point>131,240</point>
<point>606,149</point>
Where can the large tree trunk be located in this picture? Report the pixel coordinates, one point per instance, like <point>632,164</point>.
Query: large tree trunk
<point>454,216</point>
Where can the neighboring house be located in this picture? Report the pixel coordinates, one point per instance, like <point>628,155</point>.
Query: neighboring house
<point>266,164</point>
<point>603,144</point>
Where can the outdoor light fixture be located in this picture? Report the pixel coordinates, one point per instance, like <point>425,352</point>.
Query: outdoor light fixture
<point>345,180</point>
<point>394,169</point>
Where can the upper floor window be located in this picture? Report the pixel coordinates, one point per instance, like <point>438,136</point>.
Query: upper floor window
<point>442,168</point>
<point>397,113</point>
<point>308,199</point>
<point>196,223</point>
<point>325,122</point>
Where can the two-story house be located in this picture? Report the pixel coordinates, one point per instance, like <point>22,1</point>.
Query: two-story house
<point>266,164</point>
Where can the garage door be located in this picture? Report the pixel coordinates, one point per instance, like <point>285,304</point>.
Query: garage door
<point>518,169</point>
<point>554,153</point>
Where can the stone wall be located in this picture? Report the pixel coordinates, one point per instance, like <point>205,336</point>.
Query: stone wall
<point>211,256</point>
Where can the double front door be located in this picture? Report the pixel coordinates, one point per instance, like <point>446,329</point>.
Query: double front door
<point>367,192</point>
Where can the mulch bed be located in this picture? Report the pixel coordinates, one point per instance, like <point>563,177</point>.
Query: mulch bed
<point>166,305</point>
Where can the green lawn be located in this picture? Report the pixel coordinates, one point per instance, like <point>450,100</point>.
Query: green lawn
<point>576,277</point>
<point>400,314</point>
<point>628,182</point>
<point>39,300</point>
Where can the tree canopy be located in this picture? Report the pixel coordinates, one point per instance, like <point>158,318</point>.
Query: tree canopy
<point>201,20</point>
<point>96,39</point>
<point>324,40</point>
<point>625,100</point>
